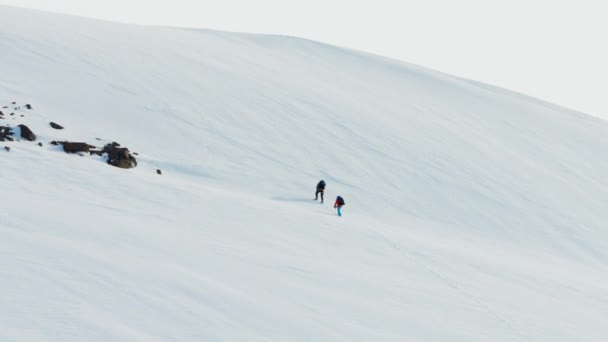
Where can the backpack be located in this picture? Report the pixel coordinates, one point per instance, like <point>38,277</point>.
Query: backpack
<point>340,200</point>
<point>321,185</point>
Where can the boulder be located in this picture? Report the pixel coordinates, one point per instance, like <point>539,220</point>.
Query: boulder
<point>27,133</point>
<point>119,156</point>
<point>56,126</point>
<point>75,147</point>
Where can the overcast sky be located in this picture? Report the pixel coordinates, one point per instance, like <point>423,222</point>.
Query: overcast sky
<point>553,49</point>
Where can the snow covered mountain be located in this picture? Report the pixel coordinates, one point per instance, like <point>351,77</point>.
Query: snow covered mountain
<point>472,213</point>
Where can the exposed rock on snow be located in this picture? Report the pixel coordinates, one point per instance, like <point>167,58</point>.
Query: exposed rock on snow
<point>75,147</point>
<point>119,156</point>
<point>56,126</point>
<point>27,133</point>
<point>116,155</point>
<point>6,134</point>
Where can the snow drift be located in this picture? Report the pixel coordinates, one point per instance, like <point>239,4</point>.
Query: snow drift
<point>473,213</point>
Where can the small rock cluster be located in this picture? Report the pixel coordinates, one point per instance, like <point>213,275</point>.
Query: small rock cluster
<point>6,134</point>
<point>27,106</point>
<point>116,155</point>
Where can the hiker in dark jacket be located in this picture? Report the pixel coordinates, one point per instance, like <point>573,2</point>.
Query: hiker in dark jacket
<point>320,190</point>
<point>338,205</point>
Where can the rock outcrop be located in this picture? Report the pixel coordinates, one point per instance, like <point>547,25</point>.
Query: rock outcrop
<point>75,147</point>
<point>26,133</point>
<point>56,126</point>
<point>6,134</point>
<point>113,153</point>
<point>119,156</point>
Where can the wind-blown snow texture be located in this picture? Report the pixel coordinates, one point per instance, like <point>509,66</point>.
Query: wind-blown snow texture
<point>473,213</point>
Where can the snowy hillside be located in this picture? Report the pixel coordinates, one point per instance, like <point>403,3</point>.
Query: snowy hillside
<point>472,213</point>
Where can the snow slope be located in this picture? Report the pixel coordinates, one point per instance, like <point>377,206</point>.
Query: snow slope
<point>473,213</point>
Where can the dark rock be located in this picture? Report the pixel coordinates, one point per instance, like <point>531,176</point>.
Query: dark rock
<point>54,143</point>
<point>6,134</point>
<point>7,148</point>
<point>159,171</point>
<point>27,133</point>
<point>12,114</point>
<point>119,156</point>
<point>56,126</point>
<point>39,144</point>
<point>75,147</point>
<point>14,102</point>
<point>135,153</point>
<point>28,106</point>
<point>21,115</point>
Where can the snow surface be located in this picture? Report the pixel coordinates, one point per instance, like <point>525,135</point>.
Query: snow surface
<point>472,213</point>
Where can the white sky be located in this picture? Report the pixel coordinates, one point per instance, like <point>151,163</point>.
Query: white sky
<point>553,49</point>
